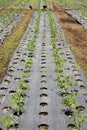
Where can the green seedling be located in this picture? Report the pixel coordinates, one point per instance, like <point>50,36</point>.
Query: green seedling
<point>26,74</point>
<point>28,62</point>
<point>31,45</point>
<point>70,99</point>
<point>62,84</point>
<point>53,42</point>
<point>69,81</point>
<point>78,118</point>
<point>55,52</point>
<point>7,120</point>
<point>23,86</point>
<point>17,100</point>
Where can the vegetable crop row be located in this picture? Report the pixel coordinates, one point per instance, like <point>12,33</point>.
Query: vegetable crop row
<point>17,99</point>
<point>69,99</point>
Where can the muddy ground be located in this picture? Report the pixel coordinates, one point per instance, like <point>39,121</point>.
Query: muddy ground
<point>76,36</point>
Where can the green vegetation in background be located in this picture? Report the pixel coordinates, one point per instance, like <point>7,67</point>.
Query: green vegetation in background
<point>77,5</point>
<point>6,2</point>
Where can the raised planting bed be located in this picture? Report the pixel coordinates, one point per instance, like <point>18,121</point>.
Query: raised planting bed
<point>44,88</point>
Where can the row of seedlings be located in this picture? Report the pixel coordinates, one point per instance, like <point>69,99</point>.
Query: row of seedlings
<point>8,29</point>
<point>69,95</point>
<point>6,17</point>
<point>10,21</point>
<point>17,99</point>
<point>76,10</point>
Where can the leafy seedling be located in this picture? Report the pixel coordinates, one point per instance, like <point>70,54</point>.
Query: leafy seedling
<point>70,99</point>
<point>17,100</point>
<point>78,118</point>
<point>28,62</point>
<point>23,86</point>
<point>7,120</point>
<point>26,74</point>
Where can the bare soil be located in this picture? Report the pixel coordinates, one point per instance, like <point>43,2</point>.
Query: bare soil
<point>76,36</point>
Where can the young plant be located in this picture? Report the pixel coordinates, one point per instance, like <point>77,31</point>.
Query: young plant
<point>7,120</point>
<point>17,100</point>
<point>26,74</point>
<point>22,85</point>
<point>53,42</point>
<point>31,45</point>
<point>70,99</point>
<point>78,118</point>
<point>28,62</point>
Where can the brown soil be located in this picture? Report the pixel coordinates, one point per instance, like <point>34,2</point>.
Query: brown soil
<point>76,36</point>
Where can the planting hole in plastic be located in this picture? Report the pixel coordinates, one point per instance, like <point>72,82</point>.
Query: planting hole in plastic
<point>15,62</point>
<point>43,43</point>
<point>43,95</point>
<point>59,44</point>
<point>67,54</point>
<point>11,70</point>
<point>43,88</point>
<point>69,58</point>
<point>25,54</point>
<point>43,62</point>
<point>43,114</point>
<point>63,94</point>
<point>43,56</point>
<point>18,113</point>
<point>77,75</point>
<point>17,52</point>
<point>43,67</point>
<point>43,104</point>
<point>72,126</point>
<point>31,53</point>
<point>22,60</point>
<point>43,53</point>
<point>68,113</point>
<point>2,95</point>
<point>43,81</point>
<point>3,89</point>
<point>6,109</point>
<point>79,80</point>
<point>20,69</point>
<point>43,127</point>
<point>11,67</point>
<point>7,81</point>
<point>43,59</point>
<point>16,58</point>
<point>82,87</point>
<point>26,81</point>
<point>43,76</point>
<point>14,127</point>
<point>12,91</point>
<point>80,108</point>
<point>75,71</point>
<point>17,78</point>
<point>66,68</point>
<point>9,76</point>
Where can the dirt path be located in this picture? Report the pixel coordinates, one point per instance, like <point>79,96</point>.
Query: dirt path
<point>76,36</point>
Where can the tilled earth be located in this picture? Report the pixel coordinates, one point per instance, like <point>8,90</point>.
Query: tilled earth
<point>76,36</point>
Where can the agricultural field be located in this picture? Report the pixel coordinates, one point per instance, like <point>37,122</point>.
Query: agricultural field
<point>43,65</point>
